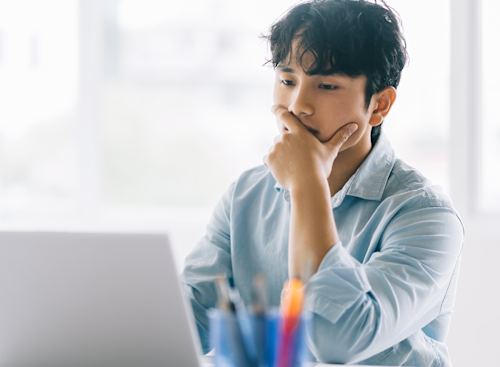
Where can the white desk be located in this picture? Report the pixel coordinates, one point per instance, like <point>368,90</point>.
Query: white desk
<point>206,361</point>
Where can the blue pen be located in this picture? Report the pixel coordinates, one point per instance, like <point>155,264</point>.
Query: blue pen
<point>245,325</point>
<point>239,355</point>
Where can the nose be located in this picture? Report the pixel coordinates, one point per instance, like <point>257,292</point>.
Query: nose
<point>301,103</point>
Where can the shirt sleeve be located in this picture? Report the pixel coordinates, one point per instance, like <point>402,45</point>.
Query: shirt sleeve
<point>361,309</point>
<point>210,257</point>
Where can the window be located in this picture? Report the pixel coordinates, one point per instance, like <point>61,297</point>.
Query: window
<point>418,124</point>
<point>489,175</point>
<point>38,97</point>
<point>142,112</point>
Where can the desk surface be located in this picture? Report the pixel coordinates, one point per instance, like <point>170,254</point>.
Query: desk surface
<point>206,361</point>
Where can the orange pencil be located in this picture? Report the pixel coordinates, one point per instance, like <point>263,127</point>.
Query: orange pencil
<point>291,308</point>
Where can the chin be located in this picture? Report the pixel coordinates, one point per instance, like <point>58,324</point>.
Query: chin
<point>344,148</point>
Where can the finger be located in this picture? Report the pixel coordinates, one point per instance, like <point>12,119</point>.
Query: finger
<point>265,160</point>
<point>281,127</point>
<point>287,118</point>
<point>342,135</point>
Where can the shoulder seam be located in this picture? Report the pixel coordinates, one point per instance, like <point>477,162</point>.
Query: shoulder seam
<point>401,181</point>
<point>432,201</point>
<point>427,205</point>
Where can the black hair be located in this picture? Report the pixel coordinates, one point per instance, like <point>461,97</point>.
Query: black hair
<point>350,37</point>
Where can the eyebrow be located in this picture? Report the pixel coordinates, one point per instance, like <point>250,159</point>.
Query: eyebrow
<point>286,69</point>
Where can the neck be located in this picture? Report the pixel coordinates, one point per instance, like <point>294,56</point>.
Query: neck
<point>347,162</point>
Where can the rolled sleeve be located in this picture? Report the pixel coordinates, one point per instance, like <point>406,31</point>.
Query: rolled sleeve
<point>341,272</point>
<point>361,309</point>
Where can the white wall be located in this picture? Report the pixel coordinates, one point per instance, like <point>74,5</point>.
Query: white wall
<point>473,339</point>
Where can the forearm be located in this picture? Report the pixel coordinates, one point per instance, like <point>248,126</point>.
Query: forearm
<point>368,306</point>
<point>312,228</point>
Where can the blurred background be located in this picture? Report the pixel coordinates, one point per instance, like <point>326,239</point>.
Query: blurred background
<point>138,114</point>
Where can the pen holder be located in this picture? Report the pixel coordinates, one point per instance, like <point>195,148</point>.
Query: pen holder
<point>257,341</point>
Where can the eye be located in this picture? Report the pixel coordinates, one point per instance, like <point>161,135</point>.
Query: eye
<point>287,82</point>
<point>328,86</point>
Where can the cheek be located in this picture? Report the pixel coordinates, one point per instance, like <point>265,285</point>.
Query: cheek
<point>348,113</point>
<point>347,110</point>
<point>278,96</point>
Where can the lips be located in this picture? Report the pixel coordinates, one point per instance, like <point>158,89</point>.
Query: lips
<point>311,130</point>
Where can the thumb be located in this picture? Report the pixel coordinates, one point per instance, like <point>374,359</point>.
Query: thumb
<point>341,136</point>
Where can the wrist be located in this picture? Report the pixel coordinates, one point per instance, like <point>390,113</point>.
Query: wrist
<point>309,185</point>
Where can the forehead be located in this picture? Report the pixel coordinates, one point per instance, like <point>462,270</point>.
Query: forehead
<point>298,56</point>
<point>300,60</point>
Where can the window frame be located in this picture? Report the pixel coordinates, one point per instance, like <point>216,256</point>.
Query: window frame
<point>466,118</point>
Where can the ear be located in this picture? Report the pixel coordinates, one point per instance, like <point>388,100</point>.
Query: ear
<point>383,102</point>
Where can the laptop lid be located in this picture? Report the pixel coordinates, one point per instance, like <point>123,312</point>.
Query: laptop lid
<point>92,299</point>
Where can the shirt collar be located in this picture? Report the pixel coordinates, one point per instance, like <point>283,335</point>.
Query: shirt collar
<point>369,180</point>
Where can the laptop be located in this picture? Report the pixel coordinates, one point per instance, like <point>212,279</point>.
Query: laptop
<point>92,299</point>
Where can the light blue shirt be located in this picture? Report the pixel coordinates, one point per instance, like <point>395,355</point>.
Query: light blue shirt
<point>381,296</point>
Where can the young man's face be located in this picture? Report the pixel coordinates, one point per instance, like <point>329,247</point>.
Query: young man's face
<point>324,103</point>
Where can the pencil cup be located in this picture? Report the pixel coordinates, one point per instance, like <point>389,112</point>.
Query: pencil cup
<point>257,341</point>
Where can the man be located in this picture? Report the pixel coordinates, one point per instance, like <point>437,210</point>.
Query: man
<point>382,242</point>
